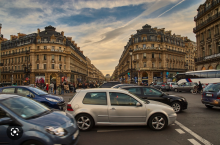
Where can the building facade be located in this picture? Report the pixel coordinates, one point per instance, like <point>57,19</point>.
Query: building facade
<point>43,57</point>
<point>190,48</point>
<point>207,35</point>
<point>107,77</point>
<point>157,56</point>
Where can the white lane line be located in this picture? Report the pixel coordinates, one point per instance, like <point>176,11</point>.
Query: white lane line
<point>194,134</point>
<point>116,130</point>
<point>180,131</point>
<point>194,142</point>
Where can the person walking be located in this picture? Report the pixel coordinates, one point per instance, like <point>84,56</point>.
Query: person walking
<point>62,88</point>
<point>55,88</point>
<point>51,88</point>
<point>47,87</point>
<point>199,87</point>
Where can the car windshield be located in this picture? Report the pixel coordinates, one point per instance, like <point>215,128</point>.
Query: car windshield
<point>38,91</point>
<point>25,107</point>
<point>212,88</point>
<point>159,83</point>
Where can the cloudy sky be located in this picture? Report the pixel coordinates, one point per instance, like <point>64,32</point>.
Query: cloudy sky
<point>101,28</point>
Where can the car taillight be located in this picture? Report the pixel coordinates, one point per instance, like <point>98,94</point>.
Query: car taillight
<point>69,107</point>
<point>163,85</point>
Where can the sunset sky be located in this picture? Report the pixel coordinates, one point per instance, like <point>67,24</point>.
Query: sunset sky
<point>101,28</point>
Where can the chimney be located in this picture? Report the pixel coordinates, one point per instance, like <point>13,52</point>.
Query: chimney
<point>78,48</point>
<point>62,33</point>
<point>18,35</point>
<point>38,31</point>
<point>11,37</point>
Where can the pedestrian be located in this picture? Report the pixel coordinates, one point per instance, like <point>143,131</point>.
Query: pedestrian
<point>62,88</point>
<point>47,87</point>
<point>67,88</point>
<point>55,88</point>
<point>51,88</point>
<point>199,86</point>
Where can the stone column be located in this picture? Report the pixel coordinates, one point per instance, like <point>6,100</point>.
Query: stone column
<point>32,78</point>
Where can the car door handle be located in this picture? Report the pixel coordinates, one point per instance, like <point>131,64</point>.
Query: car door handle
<point>113,109</point>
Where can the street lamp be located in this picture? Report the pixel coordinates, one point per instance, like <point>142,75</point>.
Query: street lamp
<point>130,52</point>
<point>27,70</point>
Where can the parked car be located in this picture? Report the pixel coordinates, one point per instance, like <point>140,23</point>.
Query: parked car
<point>122,85</point>
<point>172,85</point>
<point>49,100</point>
<point>161,86</point>
<point>186,86</point>
<point>211,95</point>
<point>178,103</point>
<point>31,123</point>
<point>109,84</point>
<point>118,107</point>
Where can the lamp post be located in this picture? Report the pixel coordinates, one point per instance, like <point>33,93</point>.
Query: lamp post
<point>130,52</point>
<point>27,70</point>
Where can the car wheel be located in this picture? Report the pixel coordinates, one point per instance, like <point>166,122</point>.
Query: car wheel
<point>32,142</point>
<point>176,107</point>
<point>176,90</point>
<point>84,122</point>
<point>157,122</point>
<point>208,106</point>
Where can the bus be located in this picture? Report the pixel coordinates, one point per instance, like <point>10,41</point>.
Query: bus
<point>204,76</point>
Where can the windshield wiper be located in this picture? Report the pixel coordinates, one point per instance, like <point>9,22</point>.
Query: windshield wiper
<point>41,114</point>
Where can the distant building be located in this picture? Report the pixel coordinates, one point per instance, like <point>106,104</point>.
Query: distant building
<point>107,77</point>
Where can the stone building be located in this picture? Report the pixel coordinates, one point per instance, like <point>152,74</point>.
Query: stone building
<point>107,77</point>
<point>190,48</point>
<point>207,35</point>
<point>157,55</point>
<point>43,57</point>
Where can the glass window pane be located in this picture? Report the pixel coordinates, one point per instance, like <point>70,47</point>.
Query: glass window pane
<point>95,98</point>
<point>217,74</point>
<point>135,90</point>
<point>120,99</point>
<point>211,74</point>
<point>9,90</point>
<point>151,92</point>
<point>203,74</point>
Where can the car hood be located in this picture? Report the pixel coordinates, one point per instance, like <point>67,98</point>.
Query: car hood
<point>176,96</point>
<point>158,103</point>
<point>56,118</point>
<point>53,97</point>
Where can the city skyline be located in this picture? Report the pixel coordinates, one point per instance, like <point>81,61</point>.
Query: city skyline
<point>100,28</point>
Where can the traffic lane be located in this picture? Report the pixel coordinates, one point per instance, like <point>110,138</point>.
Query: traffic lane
<point>203,121</point>
<point>131,135</point>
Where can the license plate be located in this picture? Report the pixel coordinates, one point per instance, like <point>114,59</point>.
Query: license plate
<point>209,95</point>
<point>76,134</point>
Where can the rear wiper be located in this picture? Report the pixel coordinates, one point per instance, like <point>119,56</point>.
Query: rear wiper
<point>41,114</point>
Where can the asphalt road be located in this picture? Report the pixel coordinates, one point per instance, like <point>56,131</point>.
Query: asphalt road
<point>197,125</point>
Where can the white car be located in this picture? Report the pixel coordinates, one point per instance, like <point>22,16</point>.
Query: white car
<point>172,85</point>
<point>109,106</point>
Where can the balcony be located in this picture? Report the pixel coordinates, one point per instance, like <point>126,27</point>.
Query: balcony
<point>15,53</point>
<point>206,22</point>
<point>214,4</point>
<point>174,51</point>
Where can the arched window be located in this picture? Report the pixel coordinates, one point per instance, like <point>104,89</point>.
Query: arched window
<point>203,68</point>
<point>210,67</point>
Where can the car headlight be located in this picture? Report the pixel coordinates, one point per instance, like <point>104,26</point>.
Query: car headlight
<point>59,131</point>
<point>52,100</point>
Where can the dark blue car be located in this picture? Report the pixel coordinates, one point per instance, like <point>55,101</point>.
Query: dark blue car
<point>24,121</point>
<point>211,95</point>
<point>49,100</point>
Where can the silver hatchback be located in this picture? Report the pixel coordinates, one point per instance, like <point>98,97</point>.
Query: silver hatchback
<point>110,106</point>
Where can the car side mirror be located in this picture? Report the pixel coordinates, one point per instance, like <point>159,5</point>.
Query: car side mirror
<point>5,121</point>
<point>138,104</point>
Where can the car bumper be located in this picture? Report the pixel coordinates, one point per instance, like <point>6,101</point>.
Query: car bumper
<point>213,102</point>
<point>172,118</point>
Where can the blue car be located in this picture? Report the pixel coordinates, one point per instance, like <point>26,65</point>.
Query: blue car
<point>211,95</point>
<point>49,100</point>
<point>24,121</point>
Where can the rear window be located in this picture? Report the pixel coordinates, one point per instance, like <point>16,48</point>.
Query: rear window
<point>8,90</point>
<point>213,88</point>
<point>93,98</point>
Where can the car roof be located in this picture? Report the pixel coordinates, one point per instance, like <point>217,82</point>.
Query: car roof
<point>136,87</point>
<point>6,96</point>
<point>101,90</point>
<point>16,87</point>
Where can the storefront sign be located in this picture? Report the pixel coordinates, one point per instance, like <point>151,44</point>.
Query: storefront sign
<point>212,56</point>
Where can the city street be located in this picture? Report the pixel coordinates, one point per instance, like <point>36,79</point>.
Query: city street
<point>196,125</point>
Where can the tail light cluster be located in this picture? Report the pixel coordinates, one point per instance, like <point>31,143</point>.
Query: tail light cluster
<point>69,107</point>
<point>163,85</point>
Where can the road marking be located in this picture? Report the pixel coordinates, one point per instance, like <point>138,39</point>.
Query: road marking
<point>194,134</point>
<point>194,142</point>
<point>117,130</point>
<point>180,131</point>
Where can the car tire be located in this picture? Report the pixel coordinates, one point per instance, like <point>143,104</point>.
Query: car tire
<point>208,106</point>
<point>155,124</point>
<point>32,142</point>
<point>84,122</point>
<point>176,107</point>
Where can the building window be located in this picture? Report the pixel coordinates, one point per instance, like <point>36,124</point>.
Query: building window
<point>136,40</point>
<point>45,39</point>
<point>159,56</point>
<point>60,66</point>
<point>152,55</point>
<point>216,29</point>
<point>64,67</point>
<point>25,48</point>
<point>53,48</point>
<point>160,64</point>
<point>136,46</point>
<point>59,57</point>
<point>203,52</point>
<point>144,38</point>
<point>45,57</point>
<point>64,59</point>
<point>153,64</point>
<point>37,66</point>
<point>38,47</point>
<point>209,33</point>
<point>25,58</point>
<point>52,57</point>
<point>52,66</point>
<point>59,48</point>
<point>137,56</point>
<point>145,55</point>
<point>37,57</point>
<point>45,66</point>
<point>45,47</point>
<point>19,67</point>
<point>152,45</point>
<point>159,45</point>
<point>15,67</point>
<point>210,49</point>
<point>145,65</point>
<point>144,45</point>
